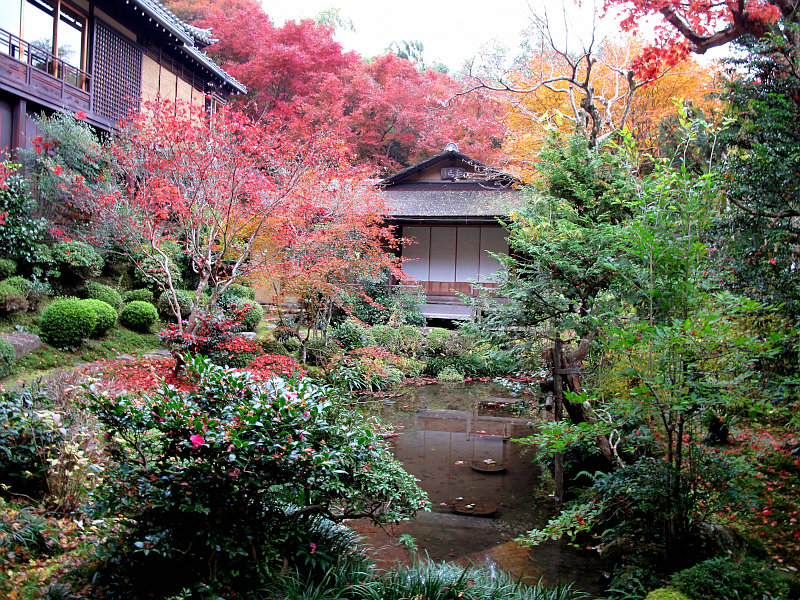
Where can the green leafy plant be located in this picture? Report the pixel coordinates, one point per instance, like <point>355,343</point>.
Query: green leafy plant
<point>12,300</point>
<point>141,294</point>
<point>207,474</point>
<point>22,232</point>
<point>139,316</point>
<point>105,316</point>
<point>7,357</point>
<point>726,577</point>
<point>106,293</point>
<point>66,322</point>
<point>8,268</point>
<point>351,335</point>
<point>35,291</point>
<point>78,260</point>
<point>26,437</point>
<point>185,300</point>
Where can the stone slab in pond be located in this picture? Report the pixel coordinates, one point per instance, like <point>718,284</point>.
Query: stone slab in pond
<point>23,343</point>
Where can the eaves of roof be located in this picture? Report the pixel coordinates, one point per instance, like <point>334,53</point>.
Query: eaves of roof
<point>187,34</point>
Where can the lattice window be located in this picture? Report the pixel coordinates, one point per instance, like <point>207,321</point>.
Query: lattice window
<point>117,74</point>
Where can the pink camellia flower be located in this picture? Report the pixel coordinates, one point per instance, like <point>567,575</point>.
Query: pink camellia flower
<point>772,261</point>
<point>197,440</point>
<point>80,115</point>
<point>313,547</point>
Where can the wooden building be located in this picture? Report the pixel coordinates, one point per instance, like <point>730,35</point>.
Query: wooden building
<point>100,57</point>
<point>449,205</point>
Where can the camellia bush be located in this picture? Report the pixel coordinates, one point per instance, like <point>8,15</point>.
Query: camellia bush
<point>225,478</point>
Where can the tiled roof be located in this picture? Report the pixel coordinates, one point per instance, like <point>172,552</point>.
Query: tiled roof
<point>442,202</point>
<point>201,35</point>
<point>188,34</point>
<point>489,173</point>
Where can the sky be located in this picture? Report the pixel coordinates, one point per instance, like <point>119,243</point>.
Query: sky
<point>450,32</point>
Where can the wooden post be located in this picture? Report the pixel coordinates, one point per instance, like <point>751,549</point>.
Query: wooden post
<point>558,398</point>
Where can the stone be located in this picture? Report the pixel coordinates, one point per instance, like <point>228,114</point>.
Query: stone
<point>23,343</point>
<point>156,354</point>
<point>249,335</point>
<point>126,357</point>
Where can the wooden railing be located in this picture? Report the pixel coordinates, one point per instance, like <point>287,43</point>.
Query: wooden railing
<point>42,60</point>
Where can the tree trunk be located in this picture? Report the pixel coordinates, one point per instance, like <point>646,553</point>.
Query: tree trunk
<point>558,400</point>
<point>571,368</point>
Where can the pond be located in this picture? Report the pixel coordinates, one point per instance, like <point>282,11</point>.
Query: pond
<point>455,438</point>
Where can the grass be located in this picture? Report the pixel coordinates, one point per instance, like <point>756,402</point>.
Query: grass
<point>45,359</point>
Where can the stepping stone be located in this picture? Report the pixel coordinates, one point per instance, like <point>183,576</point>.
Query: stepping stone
<point>23,343</point>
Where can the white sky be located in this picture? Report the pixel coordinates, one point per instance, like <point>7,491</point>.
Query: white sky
<point>450,32</point>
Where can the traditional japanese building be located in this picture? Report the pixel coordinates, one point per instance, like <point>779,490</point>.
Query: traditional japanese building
<point>101,57</point>
<point>449,206</point>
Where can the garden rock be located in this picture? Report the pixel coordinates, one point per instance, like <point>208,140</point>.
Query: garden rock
<point>156,354</point>
<point>248,335</point>
<point>23,343</point>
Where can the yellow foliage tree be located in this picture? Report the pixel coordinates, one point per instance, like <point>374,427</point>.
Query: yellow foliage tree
<point>596,92</point>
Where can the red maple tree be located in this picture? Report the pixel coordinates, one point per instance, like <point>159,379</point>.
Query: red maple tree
<point>698,25</point>
<point>213,189</point>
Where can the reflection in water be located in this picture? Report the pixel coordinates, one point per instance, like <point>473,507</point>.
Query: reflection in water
<point>448,435</point>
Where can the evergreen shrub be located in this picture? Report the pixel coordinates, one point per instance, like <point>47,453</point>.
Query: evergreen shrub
<point>139,316</point>
<point>66,322</point>
<point>351,335</point>
<point>105,314</point>
<point>387,337</point>
<point>273,346</point>
<point>253,314</point>
<point>12,300</point>
<point>724,577</point>
<point>147,273</point>
<point>437,340</point>
<point>141,294</point>
<point>8,267</point>
<point>98,291</point>
<point>34,291</point>
<point>77,259</point>
<point>7,357</point>
<point>185,302</point>
<point>237,291</point>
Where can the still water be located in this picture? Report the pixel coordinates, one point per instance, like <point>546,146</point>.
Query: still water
<point>456,439</point>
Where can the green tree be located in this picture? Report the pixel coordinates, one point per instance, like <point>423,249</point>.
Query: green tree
<point>762,174</point>
<point>567,259</point>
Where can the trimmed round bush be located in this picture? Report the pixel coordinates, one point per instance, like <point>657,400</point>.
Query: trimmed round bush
<point>34,291</point>
<point>105,313</point>
<point>252,317</point>
<point>7,356</point>
<point>142,294</point>
<point>98,291</point>
<point>77,259</point>
<point>66,322</point>
<point>139,316</point>
<point>387,337</point>
<point>185,302</point>
<point>7,267</point>
<point>412,339</point>
<point>437,340</point>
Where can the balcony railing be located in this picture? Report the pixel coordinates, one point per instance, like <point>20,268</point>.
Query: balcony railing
<point>43,60</point>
